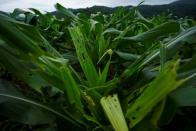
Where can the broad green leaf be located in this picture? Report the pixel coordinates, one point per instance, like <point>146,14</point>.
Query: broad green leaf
<point>71,87</point>
<point>154,93</point>
<point>26,37</point>
<point>65,11</point>
<point>12,33</point>
<point>153,34</point>
<point>83,56</point>
<point>26,110</point>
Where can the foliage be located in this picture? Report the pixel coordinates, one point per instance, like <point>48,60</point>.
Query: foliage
<point>95,72</point>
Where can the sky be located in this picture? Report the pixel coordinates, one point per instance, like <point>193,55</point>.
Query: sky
<point>48,5</point>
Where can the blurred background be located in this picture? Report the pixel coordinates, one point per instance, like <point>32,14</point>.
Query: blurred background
<point>47,5</point>
<point>179,8</point>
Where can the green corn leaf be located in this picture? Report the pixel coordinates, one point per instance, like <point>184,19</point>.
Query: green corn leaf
<point>154,93</point>
<point>153,34</point>
<point>65,11</point>
<point>162,57</point>
<point>83,56</point>
<point>153,53</point>
<point>26,110</point>
<point>127,56</point>
<point>11,31</point>
<point>111,30</point>
<point>26,37</point>
<point>71,87</point>
<point>103,45</point>
<point>104,74</point>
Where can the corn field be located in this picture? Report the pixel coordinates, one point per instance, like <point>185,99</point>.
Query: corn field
<point>95,72</point>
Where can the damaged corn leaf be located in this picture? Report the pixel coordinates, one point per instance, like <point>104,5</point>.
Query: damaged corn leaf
<point>157,90</point>
<point>83,56</point>
<point>112,108</point>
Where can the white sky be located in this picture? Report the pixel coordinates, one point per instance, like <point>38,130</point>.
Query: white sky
<point>48,5</point>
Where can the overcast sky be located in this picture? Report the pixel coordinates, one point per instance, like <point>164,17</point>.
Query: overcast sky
<point>48,5</point>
